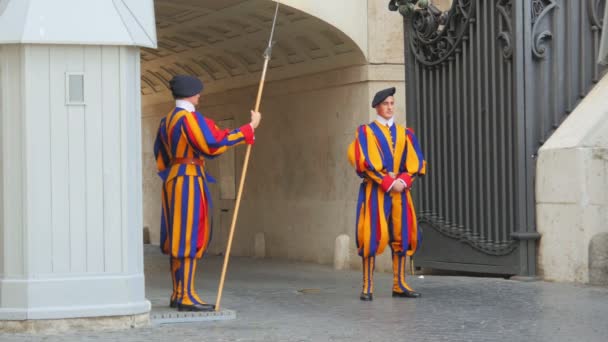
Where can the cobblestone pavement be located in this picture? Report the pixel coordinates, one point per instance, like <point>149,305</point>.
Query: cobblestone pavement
<point>265,294</point>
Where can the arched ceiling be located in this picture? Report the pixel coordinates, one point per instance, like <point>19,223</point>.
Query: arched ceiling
<point>222,42</point>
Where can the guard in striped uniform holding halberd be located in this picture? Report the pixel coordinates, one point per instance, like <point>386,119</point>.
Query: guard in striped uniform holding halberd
<point>185,138</point>
<point>388,157</point>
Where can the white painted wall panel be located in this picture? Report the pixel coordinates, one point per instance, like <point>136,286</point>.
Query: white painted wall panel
<point>131,162</point>
<point>93,159</point>
<point>76,180</point>
<point>76,158</point>
<point>2,110</point>
<point>38,159</point>
<point>111,159</point>
<point>69,230</point>
<point>60,165</point>
<point>11,147</point>
<point>124,161</point>
<point>12,156</point>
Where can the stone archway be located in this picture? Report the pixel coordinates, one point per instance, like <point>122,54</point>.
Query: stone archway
<point>222,43</point>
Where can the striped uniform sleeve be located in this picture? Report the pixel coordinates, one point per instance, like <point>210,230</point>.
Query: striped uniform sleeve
<point>161,152</point>
<point>204,135</point>
<point>365,156</point>
<point>415,164</point>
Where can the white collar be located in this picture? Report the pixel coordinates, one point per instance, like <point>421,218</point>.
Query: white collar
<point>390,122</point>
<point>185,105</point>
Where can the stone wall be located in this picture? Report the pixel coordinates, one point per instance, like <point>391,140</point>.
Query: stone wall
<point>572,196</point>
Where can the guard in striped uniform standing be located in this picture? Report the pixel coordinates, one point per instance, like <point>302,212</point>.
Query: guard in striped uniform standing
<point>389,159</point>
<point>185,138</point>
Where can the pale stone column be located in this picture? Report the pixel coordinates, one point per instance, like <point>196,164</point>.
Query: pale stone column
<point>259,246</point>
<point>341,252</point>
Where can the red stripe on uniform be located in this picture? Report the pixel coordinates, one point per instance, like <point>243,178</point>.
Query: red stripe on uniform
<point>201,220</point>
<point>410,222</point>
<point>218,134</point>
<point>357,156</point>
<point>378,230</point>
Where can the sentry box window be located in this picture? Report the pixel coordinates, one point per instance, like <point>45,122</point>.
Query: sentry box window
<point>74,88</point>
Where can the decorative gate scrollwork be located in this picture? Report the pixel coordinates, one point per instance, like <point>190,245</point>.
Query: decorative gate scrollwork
<point>437,35</point>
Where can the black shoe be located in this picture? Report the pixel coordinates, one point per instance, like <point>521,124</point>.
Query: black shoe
<point>195,307</point>
<point>407,294</point>
<point>173,303</point>
<point>366,297</point>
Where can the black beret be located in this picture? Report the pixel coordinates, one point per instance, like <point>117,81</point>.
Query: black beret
<point>183,86</point>
<point>382,95</point>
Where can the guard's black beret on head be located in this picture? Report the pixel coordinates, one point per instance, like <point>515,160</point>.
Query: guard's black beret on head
<point>183,86</point>
<point>382,95</point>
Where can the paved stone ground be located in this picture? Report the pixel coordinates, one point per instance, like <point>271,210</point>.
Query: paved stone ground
<point>265,294</point>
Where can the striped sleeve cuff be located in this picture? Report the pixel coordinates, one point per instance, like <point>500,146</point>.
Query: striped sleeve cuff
<point>247,131</point>
<point>387,183</point>
<point>406,178</point>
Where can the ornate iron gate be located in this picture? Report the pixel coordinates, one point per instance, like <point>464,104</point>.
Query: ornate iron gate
<point>487,82</point>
